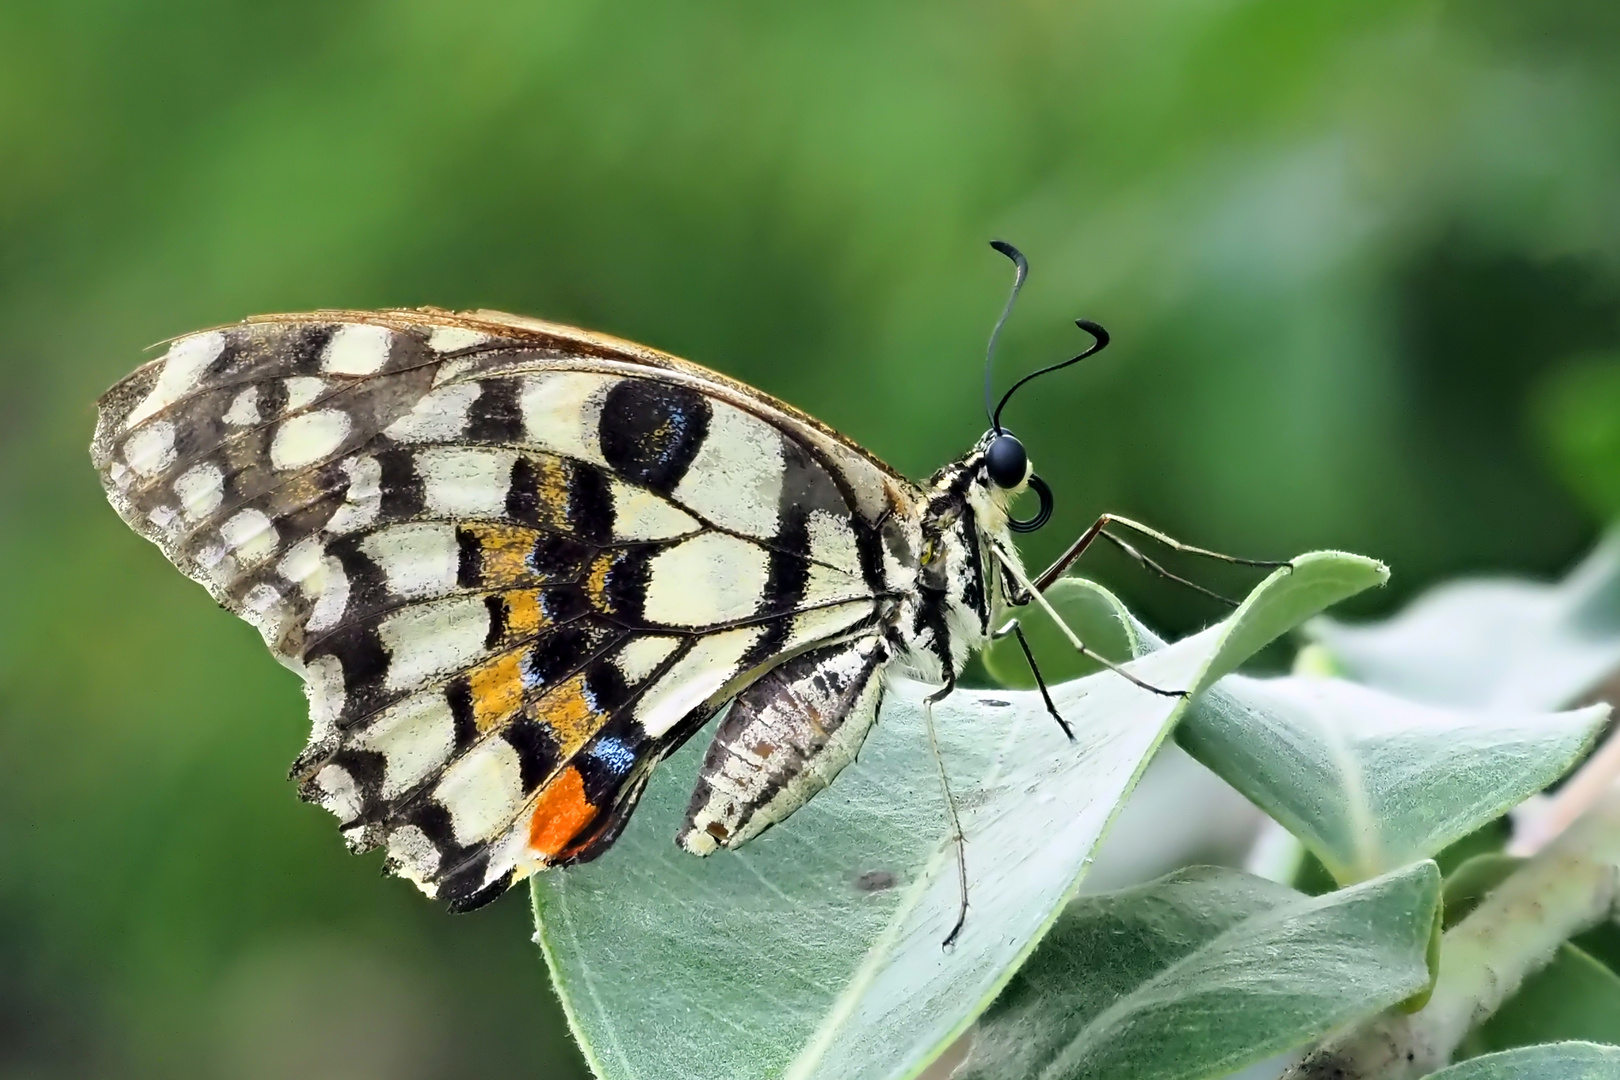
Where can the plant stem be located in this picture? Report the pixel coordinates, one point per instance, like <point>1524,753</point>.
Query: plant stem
<point>1570,886</point>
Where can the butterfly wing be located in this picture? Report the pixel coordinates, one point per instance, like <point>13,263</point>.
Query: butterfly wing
<point>515,563</point>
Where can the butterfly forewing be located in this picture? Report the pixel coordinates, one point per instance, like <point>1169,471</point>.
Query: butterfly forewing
<point>515,563</point>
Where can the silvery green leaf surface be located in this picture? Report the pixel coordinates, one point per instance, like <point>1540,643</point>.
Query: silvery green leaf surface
<point>815,951</point>
<point>1493,643</point>
<point>1553,1061</point>
<point>1367,780</point>
<point>1370,781</point>
<point>1203,972</point>
<point>1180,813</point>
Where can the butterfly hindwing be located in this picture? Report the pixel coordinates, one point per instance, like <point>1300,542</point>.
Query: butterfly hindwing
<point>514,564</point>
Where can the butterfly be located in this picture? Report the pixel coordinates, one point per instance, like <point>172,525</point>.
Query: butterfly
<point>517,564</point>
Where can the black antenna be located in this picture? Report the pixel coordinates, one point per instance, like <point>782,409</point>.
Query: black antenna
<point>1097,346</point>
<point>1021,272</point>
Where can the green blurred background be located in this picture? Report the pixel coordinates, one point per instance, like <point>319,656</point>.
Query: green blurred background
<point>1361,263</point>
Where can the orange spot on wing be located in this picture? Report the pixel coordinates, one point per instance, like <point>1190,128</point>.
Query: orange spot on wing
<point>523,615</point>
<point>497,691</point>
<point>560,812</point>
<point>554,484</point>
<point>596,581</point>
<point>570,715</point>
<point>504,553</point>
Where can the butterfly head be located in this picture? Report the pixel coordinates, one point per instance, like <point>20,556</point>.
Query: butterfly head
<point>1000,456</point>
<point>999,465</point>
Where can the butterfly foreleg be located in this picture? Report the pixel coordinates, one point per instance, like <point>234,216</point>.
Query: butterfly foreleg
<point>1031,593</point>
<point>1099,529</point>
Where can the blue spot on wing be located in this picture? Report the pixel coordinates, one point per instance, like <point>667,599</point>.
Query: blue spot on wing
<point>613,754</point>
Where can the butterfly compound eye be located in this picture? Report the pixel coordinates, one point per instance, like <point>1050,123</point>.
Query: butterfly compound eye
<point>1006,461</point>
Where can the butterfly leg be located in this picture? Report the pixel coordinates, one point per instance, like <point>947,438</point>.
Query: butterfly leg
<point>1030,592</point>
<point>957,839</point>
<point>1034,669</point>
<point>1100,529</point>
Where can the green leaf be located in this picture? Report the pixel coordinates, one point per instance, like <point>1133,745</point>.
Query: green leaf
<point>1499,644</point>
<point>1557,1061</point>
<point>1601,943</point>
<point>1431,957</point>
<point>1573,997</point>
<point>1472,882</point>
<point>1203,972</point>
<point>1369,781</point>
<point>1490,838</point>
<point>1366,780</point>
<point>1576,413</point>
<point>1311,877</point>
<point>815,950</point>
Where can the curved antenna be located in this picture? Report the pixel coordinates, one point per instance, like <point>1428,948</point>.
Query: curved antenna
<point>1020,272</point>
<point>1097,346</point>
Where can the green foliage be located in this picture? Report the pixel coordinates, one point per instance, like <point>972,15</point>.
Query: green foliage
<point>818,970</point>
<point>1205,971</point>
<point>1467,885</point>
<point>1488,839</point>
<point>1192,976</point>
<point>1577,417</point>
<point>1559,1061</point>
<point>1092,612</point>
<point>1368,780</point>
<point>1495,644</point>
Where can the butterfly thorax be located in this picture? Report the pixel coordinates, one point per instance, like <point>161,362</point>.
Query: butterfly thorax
<point>957,594</point>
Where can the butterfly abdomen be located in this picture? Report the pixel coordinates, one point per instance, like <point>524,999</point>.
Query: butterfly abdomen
<point>785,739</point>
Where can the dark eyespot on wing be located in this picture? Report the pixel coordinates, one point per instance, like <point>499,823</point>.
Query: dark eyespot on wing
<point>651,431</point>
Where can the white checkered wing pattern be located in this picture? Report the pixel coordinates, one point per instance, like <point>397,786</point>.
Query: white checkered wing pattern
<point>515,563</point>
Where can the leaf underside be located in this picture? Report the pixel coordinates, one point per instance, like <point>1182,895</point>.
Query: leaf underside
<point>1497,644</point>
<point>1557,1061</point>
<point>1202,972</point>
